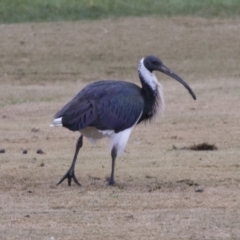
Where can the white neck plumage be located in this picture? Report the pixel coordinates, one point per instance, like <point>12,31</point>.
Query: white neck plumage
<point>150,79</point>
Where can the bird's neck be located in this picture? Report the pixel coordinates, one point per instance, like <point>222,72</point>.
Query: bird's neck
<point>152,92</point>
<point>147,77</point>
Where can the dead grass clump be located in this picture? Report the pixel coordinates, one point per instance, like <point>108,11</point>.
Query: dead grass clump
<point>203,147</point>
<point>199,147</point>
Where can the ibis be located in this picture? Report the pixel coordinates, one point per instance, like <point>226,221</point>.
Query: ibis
<point>111,109</point>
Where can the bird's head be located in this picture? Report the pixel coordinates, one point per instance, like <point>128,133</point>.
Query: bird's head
<point>153,63</point>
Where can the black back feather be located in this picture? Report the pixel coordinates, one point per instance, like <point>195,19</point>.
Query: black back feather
<point>106,105</point>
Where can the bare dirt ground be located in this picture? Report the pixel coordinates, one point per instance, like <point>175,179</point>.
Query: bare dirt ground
<point>162,192</point>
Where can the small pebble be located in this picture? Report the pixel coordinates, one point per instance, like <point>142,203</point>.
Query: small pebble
<point>35,130</point>
<point>2,151</point>
<point>40,151</point>
<point>24,151</point>
<point>199,189</point>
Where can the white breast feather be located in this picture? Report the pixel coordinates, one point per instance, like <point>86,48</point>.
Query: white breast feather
<point>118,140</point>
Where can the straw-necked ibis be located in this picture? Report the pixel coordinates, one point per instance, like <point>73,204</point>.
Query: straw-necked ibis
<point>113,108</point>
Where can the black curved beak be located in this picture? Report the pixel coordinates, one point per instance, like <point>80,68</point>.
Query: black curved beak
<point>168,72</point>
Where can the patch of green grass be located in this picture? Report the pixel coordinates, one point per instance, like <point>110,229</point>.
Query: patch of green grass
<point>13,11</point>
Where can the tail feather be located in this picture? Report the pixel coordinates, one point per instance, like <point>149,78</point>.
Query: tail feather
<point>56,122</point>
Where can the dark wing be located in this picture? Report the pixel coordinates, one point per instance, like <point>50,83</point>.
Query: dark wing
<point>77,114</point>
<point>107,105</point>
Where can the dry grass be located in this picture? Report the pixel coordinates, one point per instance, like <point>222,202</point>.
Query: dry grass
<point>157,196</point>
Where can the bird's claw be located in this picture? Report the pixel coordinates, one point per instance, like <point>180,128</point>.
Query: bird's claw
<point>70,175</point>
<point>111,182</point>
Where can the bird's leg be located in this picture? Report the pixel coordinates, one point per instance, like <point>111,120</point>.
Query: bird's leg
<point>114,156</point>
<point>70,173</point>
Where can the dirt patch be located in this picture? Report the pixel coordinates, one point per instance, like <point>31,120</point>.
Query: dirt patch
<point>161,194</point>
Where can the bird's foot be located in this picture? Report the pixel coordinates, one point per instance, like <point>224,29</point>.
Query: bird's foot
<point>111,182</point>
<point>70,175</point>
